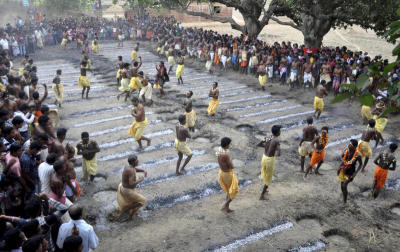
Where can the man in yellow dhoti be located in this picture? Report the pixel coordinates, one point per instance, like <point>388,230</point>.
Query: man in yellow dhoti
<point>83,81</point>
<point>129,200</point>
<point>380,121</point>
<point>146,92</point>
<point>271,147</point>
<point>214,102</point>
<point>262,75</point>
<point>189,112</point>
<point>171,59</point>
<point>95,46</point>
<point>58,88</point>
<point>366,114</point>
<point>134,53</point>
<point>226,177</point>
<point>180,68</point>
<point>135,83</point>
<point>181,148</point>
<point>319,99</point>
<point>88,149</point>
<point>137,127</point>
<point>64,42</point>
<point>124,88</point>
<point>364,145</point>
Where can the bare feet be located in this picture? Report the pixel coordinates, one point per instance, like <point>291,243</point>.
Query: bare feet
<point>183,171</point>
<point>262,197</point>
<point>226,209</point>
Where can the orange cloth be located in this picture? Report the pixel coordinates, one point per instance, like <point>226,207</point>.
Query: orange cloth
<point>149,35</point>
<point>216,59</point>
<point>37,113</point>
<point>244,63</point>
<point>380,177</point>
<point>317,157</point>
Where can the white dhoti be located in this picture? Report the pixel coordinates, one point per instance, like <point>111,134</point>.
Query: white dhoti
<point>147,91</point>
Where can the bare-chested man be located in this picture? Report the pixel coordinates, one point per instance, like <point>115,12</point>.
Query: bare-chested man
<point>44,127</point>
<point>181,66</point>
<point>129,200</point>
<point>83,81</point>
<point>190,114</point>
<point>318,155</point>
<point>283,69</point>
<point>58,182</point>
<point>305,147</point>
<point>135,82</point>
<point>262,75</point>
<point>319,99</point>
<point>307,68</point>
<point>326,72</point>
<point>226,176</point>
<point>364,145</point>
<point>385,161</point>
<point>8,104</point>
<point>271,149</point>
<point>337,78</point>
<point>171,60</point>
<point>182,133</point>
<point>57,146</point>
<point>124,88</point>
<point>347,170</point>
<point>270,66</point>
<point>137,127</point>
<point>38,102</point>
<point>294,70</point>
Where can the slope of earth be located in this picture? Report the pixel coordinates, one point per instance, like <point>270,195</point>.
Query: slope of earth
<point>182,213</point>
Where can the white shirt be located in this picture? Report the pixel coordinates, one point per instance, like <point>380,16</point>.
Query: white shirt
<point>45,172</point>
<point>86,232</point>
<point>4,44</point>
<point>27,120</point>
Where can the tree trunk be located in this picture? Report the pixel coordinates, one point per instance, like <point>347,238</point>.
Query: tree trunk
<point>251,26</point>
<point>140,8</point>
<point>314,29</point>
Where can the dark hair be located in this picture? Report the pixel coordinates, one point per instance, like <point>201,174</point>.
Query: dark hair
<point>225,141</point>
<point>33,244</point>
<point>132,159</point>
<point>4,112</point>
<point>84,134</point>
<point>72,243</point>
<point>43,119</point>
<point>354,142</point>
<point>182,119</point>
<point>21,94</point>
<point>276,129</point>
<point>35,95</point>
<point>371,123</point>
<point>17,120</point>
<point>34,80</point>
<point>134,99</point>
<point>13,239</point>
<point>310,120</point>
<point>51,158</point>
<point>14,147</point>
<point>7,130</point>
<point>75,212</point>
<point>141,73</point>
<point>191,93</point>
<point>23,106</point>
<point>43,136</point>
<point>325,128</point>
<point>216,83</point>
<point>44,109</point>
<point>58,71</point>
<point>35,146</point>
<point>393,147</point>
<point>58,165</point>
<point>135,64</point>
<point>61,132</point>
<point>31,227</point>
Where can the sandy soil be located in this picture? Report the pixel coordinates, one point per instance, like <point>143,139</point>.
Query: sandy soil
<point>182,214</point>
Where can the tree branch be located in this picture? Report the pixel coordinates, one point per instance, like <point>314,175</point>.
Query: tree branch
<point>286,23</point>
<point>230,20</point>
<point>268,13</point>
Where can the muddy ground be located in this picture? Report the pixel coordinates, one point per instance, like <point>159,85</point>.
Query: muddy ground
<point>182,214</point>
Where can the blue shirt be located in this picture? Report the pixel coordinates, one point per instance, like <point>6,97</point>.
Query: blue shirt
<point>29,167</point>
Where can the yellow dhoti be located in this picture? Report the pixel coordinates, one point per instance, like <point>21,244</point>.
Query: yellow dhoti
<point>124,85</point>
<point>83,81</point>
<point>64,42</point>
<point>228,183</point>
<point>364,148</point>
<point>366,112</point>
<point>318,103</point>
<point>147,91</point>
<point>179,70</point>
<point>342,176</point>
<point>128,198</point>
<point>134,55</point>
<point>89,167</point>
<point>135,83</point>
<point>267,169</point>
<point>118,74</point>
<point>305,149</point>
<point>380,123</point>
<point>208,65</point>
<point>212,106</point>
<point>190,118</point>
<point>171,61</point>
<point>326,78</point>
<point>137,128</point>
<point>181,147</point>
<point>59,93</point>
<point>262,79</point>
<point>95,48</point>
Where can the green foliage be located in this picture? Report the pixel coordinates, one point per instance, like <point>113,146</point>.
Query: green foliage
<point>382,78</point>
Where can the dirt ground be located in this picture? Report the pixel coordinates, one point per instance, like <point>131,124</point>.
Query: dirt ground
<point>182,214</point>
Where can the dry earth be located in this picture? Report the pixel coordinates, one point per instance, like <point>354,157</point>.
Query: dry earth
<point>182,213</point>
